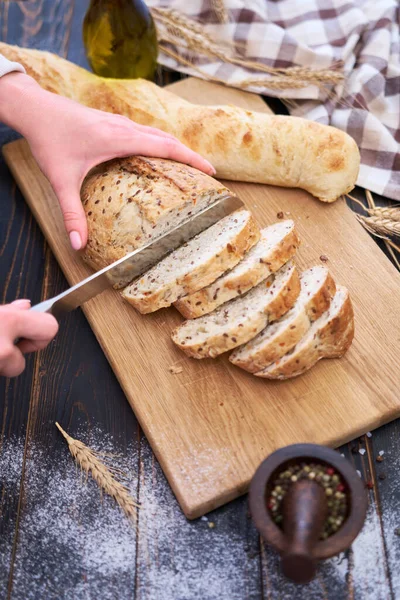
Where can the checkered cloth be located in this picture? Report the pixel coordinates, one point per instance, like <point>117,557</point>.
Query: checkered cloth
<point>362,34</point>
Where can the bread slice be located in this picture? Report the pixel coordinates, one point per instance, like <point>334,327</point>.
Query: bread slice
<point>195,264</point>
<point>241,319</point>
<point>129,201</point>
<point>330,336</point>
<point>317,290</point>
<point>278,243</point>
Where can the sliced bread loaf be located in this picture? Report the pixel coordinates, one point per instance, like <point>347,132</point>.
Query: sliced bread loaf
<point>278,243</point>
<point>317,289</point>
<point>241,319</point>
<point>129,201</point>
<point>330,336</point>
<point>196,264</point>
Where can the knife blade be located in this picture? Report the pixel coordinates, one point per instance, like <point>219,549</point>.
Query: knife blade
<point>134,264</point>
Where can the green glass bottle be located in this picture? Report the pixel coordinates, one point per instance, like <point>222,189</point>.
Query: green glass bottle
<point>120,39</point>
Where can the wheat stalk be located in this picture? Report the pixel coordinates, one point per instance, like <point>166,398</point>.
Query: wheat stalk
<point>272,83</point>
<point>377,224</point>
<point>380,226</point>
<point>219,9</point>
<point>104,476</point>
<point>382,221</point>
<point>180,31</point>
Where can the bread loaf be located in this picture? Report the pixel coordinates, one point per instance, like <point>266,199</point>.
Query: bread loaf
<point>276,340</point>
<point>330,336</point>
<point>131,200</point>
<point>278,244</point>
<point>195,264</point>
<point>241,144</point>
<point>239,320</point>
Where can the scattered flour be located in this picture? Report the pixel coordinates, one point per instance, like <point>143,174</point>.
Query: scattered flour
<point>74,546</point>
<point>390,508</point>
<point>188,560</point>
<point>11,458</point>
<point>70,544</point>
<point>368,566</point>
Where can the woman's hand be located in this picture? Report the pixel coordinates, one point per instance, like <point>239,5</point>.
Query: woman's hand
<point>67,139</point>
<point>35,329</point>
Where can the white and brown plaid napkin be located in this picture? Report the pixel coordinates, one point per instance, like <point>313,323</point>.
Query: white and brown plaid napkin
<point>361,34</point>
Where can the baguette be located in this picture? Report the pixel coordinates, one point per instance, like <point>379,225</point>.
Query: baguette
<point>276,340</point>
<point>242,145</point>
<point>241,319</point>
<point>278,244</point>
<point>330,336</point>
<point>132,200</point>
<point>195,264</point>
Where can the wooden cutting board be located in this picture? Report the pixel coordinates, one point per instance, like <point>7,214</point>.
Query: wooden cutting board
<point>211,425</point>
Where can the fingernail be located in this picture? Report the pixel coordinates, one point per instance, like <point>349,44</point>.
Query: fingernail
<point>21,302</point>
<point>212,171</point>
<point>76,240</point>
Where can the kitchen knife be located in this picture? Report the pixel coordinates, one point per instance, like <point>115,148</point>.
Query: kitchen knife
<point>123,271</point>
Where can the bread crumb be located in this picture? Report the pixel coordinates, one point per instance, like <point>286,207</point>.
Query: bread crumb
<point>323,258</point>
<point>211,525</point>
<point>175,370</point>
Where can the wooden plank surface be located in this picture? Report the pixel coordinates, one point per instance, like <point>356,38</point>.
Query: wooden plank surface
<point>182,559</point>
<point>211,426</point>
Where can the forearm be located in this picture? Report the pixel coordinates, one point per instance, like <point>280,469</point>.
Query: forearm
<point>22,101</point>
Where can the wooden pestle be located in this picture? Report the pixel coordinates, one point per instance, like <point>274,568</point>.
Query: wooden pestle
<point>304,512</point>
<point>305,509</point>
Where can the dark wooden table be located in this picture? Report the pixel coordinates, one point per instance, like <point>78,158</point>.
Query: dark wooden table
<point>57,540</point>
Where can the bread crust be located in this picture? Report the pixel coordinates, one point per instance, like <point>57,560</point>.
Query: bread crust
<point>275,348</point>
<point>128,201</point>
<point>332,340</point>
<point>230,286</point>
<point>263,354</point>
<point>196,278</point>
<point>236,334</point>
<point>242,145</point>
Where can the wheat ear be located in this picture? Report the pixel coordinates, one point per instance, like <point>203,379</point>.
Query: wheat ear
<point>104,476</point>
<point>377,223</point>
<point>380,226</point>
<point>186,33</point>
<point>382,221</point>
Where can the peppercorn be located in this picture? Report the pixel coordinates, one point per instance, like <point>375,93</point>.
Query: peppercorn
<point>329,480</point>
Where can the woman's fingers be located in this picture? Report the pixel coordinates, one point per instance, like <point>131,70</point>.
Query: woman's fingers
<point>28,346</point>
<point>156,146</point>
<point>35,329</point>
<point>12,361</point>
<point>73,214</point>
<point>22,304</point>
<point>34,326</point>
<point>151,130</point>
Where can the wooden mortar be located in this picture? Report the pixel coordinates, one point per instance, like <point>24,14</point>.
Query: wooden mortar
<point>304,510</point>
